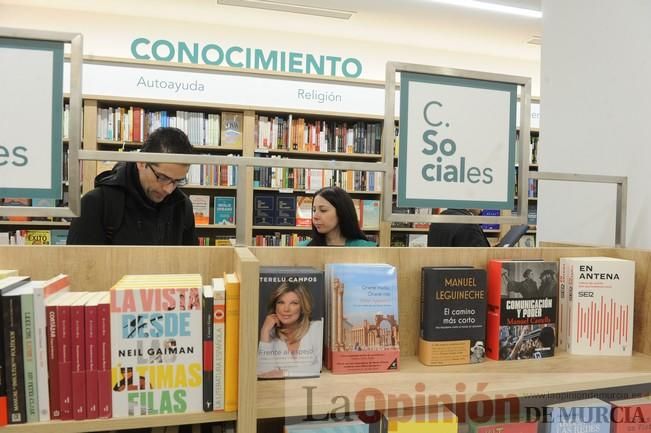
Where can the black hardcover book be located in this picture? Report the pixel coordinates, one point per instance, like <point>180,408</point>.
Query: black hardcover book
<point>285,210</point>
<point>14,374</point>
<point>522,309</point>
<point>207,311</point>
<point>453,315</point>
<point>291,320</point>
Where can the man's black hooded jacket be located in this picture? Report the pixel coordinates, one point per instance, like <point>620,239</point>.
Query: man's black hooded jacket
<point>140,222</point>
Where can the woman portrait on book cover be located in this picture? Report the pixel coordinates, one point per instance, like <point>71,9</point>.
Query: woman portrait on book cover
<point>290,342</point>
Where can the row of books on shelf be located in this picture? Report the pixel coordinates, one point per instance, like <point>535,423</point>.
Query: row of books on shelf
<point>212,175</point>
<point>161,344</point>
<point>152,344</point>
<point>134,124</point>
<point>313,179</point>
<point>296,211</point>
<point>299,134</point>
<point>534,139</point>
<point>512,310</point>
<point>33,202</point>
<point>592,415</point>
<point>405,239</point>
<point>223,209</point>
<point>65,129</point>
<point>34,237</point>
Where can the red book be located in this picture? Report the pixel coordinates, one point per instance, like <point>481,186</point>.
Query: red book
<point>631,415</point>
<point>78,356</point>
<point>137,124</point>
<point>104,395</point>
<point>53,356</point>
<point>64,353</point>
<point>90,343</point>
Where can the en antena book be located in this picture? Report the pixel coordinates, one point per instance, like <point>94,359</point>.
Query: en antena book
<point>362,324</point>
<point>522,298</point>
<point>156,345</point>
<point>599,305</point>
<point>453,316</point>
<point>291,315</point>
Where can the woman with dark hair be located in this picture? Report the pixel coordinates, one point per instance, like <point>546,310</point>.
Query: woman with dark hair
<point>334,220</point>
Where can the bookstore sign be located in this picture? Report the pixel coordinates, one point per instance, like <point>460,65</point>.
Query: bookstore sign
<point>457,142</point>
<point>30,118</point>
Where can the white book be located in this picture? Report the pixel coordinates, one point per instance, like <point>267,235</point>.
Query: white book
<point>156,345</point>
<point>219,341</point>
<point>600,292</point>
<point>45,291</point>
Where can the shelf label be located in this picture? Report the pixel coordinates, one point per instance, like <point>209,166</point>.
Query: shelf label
<point>31,118</point>
<point>457,142</point>
<point>217,87</point>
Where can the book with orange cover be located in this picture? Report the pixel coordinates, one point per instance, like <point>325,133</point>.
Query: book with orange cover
<point>232,284</point>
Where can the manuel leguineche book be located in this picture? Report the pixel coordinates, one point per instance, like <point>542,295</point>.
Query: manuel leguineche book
<point>291,315</point>
<point>362,324</point>
<point>522,309</point>
<point>453,315</point>
<point>156,345</point>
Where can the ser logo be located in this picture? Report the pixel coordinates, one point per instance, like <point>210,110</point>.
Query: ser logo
<point>447,166</point>
<point>586,294</point>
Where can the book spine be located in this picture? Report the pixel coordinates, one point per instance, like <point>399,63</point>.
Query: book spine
<point>563,315</point>
<point>29,358</point>
<point>104,397</point>
<point>90,343</point>
<point>14,371</point>
<point>208,353</point>
<point>232,346</point>
<point>65,365</point>
<point>40,355</point>
<point>3,384</point>
<point>219,315</point>
<point>494,287</point>
<point>53,361</point>
<point>78,362</point>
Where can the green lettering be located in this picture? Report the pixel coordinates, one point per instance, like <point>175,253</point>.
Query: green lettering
<point>166,44</point>
<point>134,46</point>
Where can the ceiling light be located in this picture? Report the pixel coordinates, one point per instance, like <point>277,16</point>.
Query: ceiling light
<point>287,7</point>
<point>475,4</point>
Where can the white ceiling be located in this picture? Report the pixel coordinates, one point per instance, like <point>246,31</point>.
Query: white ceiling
<point>403,22</point>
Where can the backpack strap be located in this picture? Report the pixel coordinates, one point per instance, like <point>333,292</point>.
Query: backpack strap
<point>113,211</point>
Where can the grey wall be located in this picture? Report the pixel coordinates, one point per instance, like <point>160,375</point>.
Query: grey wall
<point>595,117</point>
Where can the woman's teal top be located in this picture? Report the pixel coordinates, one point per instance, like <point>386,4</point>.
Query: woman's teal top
<point>349,243</point>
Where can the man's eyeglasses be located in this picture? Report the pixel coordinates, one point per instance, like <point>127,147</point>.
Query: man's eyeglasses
<point>166,180</point>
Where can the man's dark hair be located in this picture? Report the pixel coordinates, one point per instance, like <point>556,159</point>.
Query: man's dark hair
<point>346,215</point>
<point>167,140</point>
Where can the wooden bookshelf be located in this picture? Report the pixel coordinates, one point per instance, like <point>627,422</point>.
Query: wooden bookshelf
<point>525,378</point>
<point>97,268</point>
<point>100,425</point>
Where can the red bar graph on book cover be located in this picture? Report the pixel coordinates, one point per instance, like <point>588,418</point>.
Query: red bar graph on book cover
<point>602,324</point>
